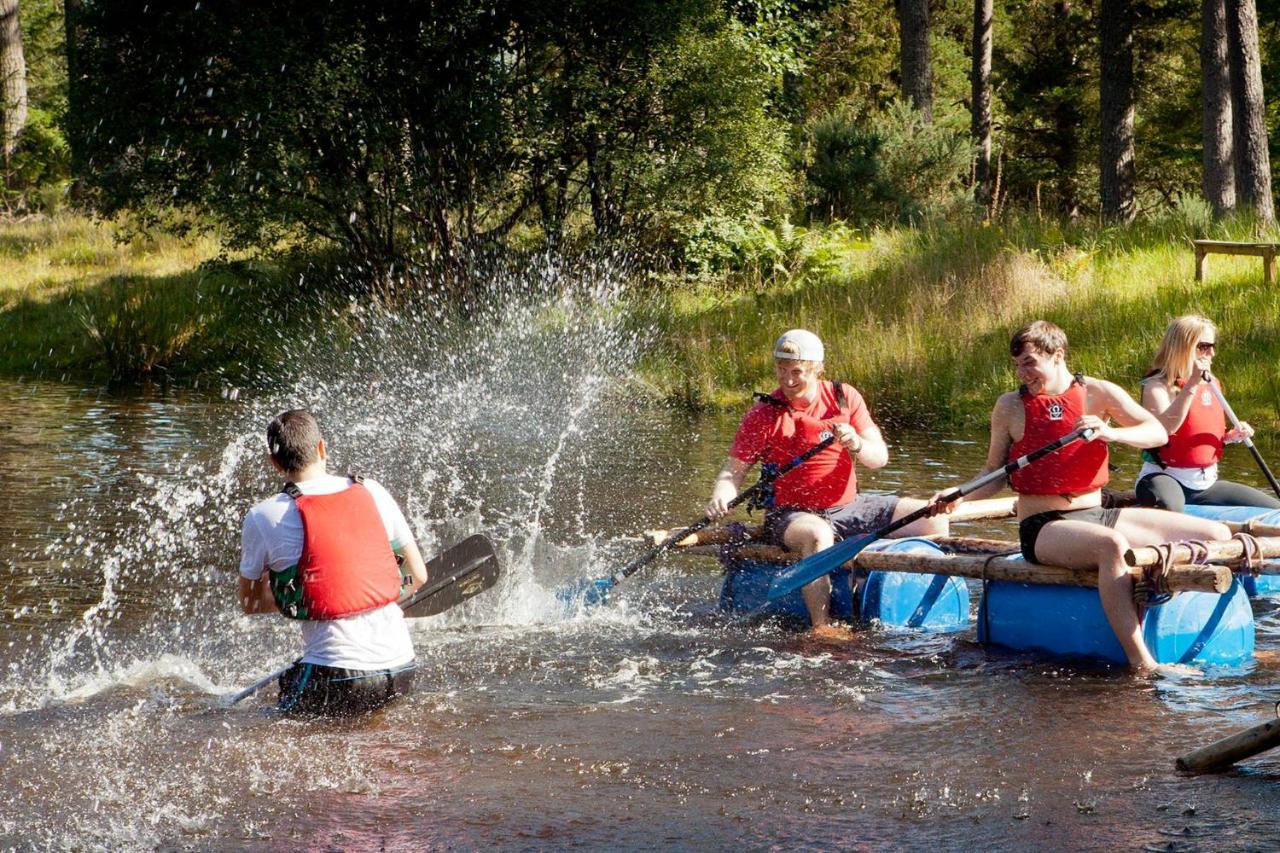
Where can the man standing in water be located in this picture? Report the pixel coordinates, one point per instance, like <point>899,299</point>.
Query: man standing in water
<point>817,503</point>
<point>323,551</point>
<point>1061,520</point>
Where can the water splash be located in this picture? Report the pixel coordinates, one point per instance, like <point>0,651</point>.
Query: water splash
<point>480,420</point>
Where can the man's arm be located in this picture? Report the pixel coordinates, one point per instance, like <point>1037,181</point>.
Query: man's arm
<point>1137,427</point>
<point>866,445</point>
<point>256,597</point>
<point>414,564</point>
<point>728,484</point>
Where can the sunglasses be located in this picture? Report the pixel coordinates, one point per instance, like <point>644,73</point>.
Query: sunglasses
<point>1207,346</point>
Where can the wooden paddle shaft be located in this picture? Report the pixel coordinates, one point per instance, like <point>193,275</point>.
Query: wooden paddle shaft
<point>1221,754</point>
<point>1181,578</point>
<point>1230,551</point>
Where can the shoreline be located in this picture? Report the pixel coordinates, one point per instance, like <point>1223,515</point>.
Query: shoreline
<point>916,318</point>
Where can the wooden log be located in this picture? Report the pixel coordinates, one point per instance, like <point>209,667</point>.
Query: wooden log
<point>705,536</point>
<point>1254,529</point>
<point>974,545</point>
<point>1221,754</point>
<point>1230,552</point>
<point>1180,578</point>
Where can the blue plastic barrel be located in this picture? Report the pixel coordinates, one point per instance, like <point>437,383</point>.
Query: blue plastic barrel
<point>1254,586</point>
<point>900,599</point>
<point>1067,621</point>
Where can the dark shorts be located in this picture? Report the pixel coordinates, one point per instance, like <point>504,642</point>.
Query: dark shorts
<point>863,514</point>
<point>1029,528</point>
<point>330,691</point>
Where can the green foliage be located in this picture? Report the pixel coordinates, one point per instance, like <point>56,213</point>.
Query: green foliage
<point>411,133</point>
<point>39,167</point>
<point>893,167</point>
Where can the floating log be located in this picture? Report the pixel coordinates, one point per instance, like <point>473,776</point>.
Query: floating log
<point>1180,578</point>
<point>1221,754</point>
<point>1230,552</point>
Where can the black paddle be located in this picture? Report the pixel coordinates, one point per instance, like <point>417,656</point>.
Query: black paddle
<point>468,569</point>
<point>1248,442</point>
<point>828,560</point>
<point>595,591</point>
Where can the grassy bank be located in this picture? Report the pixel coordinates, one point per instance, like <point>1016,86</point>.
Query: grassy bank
<point>86,299</point>
<point>920,318</point>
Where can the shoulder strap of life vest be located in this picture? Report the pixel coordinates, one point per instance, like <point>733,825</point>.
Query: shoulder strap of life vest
<point>837,388</point>
<point>291,489</point>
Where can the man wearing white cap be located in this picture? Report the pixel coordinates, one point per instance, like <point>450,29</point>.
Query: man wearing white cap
<point>818,502</point>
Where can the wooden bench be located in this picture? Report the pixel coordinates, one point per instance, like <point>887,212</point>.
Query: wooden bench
<point>1266,251</point>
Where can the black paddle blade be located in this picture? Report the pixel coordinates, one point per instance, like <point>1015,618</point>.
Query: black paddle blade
<point>464,571</point>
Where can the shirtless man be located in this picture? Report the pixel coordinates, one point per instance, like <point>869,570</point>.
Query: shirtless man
<point>818,502</point>
<point>1061,520</point>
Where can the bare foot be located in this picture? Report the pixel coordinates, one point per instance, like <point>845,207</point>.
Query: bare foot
<point>1170,670</point>
<point>832,633</point>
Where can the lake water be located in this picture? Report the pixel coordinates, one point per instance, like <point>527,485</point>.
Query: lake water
<point>647,723</point>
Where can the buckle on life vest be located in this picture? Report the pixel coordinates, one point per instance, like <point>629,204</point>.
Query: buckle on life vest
<point>764,497</point>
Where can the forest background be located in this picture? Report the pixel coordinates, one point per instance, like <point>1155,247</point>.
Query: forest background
<point>186,187</point>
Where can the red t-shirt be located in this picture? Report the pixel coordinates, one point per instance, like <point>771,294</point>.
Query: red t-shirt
<point>778,434</point>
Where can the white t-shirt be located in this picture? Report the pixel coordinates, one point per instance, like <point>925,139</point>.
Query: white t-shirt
<point>1196,479</point>
<point>272,540</point>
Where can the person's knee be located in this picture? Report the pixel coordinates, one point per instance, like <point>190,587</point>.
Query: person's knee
<point>809,537</point>
<point>1109,551</point>
<point>1218,532</point>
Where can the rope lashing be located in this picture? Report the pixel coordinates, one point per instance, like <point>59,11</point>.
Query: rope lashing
<point>1251,553</point>
<point>986,615</point>
<point>1152,588</point>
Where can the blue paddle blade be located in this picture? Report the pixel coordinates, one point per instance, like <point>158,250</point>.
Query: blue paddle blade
<point>815,566</point>
<point>588,592</point>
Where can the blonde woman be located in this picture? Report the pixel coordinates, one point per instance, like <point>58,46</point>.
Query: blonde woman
<point>1178,393</point>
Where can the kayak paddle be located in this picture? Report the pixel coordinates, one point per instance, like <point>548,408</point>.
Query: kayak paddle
<point>825,562</point>
<point>469,568</point>
<point>596,591</point>
<point>1248,442</point>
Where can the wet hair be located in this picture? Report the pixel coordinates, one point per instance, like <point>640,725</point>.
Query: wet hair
<point>1175,359</point>
<point>1040,335</point>
<point>292,438</point>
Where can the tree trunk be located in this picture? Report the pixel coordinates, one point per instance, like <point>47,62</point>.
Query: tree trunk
<point>1217,180</point>
<point>1252,162</point>
<point>13,79</point>
<point>1115,44</point>
<point>981,82</point>
<point>73,10</point>
<point>913,39</point>
<point>1066,114</point>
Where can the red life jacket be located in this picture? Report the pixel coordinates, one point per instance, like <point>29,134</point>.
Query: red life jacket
<point>1198,442</point>
<point>828,479</point>
<point>347,566</point>
<point>1078,468</point>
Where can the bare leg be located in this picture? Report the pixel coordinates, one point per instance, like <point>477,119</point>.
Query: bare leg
<point>938,525</point>
<point>1079,544</point>
<point>808,534</point>
<point>1142,526</point>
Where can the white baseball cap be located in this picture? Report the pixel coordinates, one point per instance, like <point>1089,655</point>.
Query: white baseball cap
<point>808,346</point>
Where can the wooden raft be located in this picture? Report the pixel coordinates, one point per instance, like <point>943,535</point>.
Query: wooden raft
<point>971,558</point>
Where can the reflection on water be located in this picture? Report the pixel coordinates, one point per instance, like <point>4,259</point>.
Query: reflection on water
<point>646,723</point>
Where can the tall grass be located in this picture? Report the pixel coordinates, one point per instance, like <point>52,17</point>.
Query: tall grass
<point>920,318</point>
<point>79,299</point>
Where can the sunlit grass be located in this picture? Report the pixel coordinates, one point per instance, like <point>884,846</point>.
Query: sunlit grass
<point>920,318</point>
<point>89,298</point>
